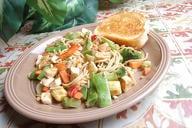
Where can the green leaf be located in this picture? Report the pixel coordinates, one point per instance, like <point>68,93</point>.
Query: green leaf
<point>11,17</point>
<point>53,11</point>
<point>78,12</point>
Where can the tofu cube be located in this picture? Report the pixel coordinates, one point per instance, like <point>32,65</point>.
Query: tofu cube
<point>46,98</point>
<point>115,88</point>
<point>126,83</point>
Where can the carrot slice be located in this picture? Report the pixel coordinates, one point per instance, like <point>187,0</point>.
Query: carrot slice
<point>78,95</point>
<point>123,85</point>
<point>38,72</point>
<point>70,51</point>
<point>60,66</point>
<point>73,89</point>
<point>146,71</point>
<point>135,64</point>
<point>64,76</point>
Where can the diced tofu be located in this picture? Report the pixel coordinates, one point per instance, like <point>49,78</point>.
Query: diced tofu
<point>39,57</point>
<point>58,92</point>
<point>47,82</point>
<point>57,81</point>
<point>54,58</point>
<point>74,72</point>
<point>46,98</point>
<point>50,72</point>
<point>115,88</point>
<point>92,67</point>
<point>126,83</point>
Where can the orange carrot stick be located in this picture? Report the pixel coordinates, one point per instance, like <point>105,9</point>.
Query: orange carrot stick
<point>60,66</point>
<point>70,51</point>
<point>64,76</point>
<point>135,64</point>
<point>78,95</point>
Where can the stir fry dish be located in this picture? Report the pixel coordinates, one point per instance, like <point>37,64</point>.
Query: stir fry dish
<point>83,69</point>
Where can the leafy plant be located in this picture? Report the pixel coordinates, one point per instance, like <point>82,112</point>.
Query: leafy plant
<point>47,15</point>
<point>11,17</point>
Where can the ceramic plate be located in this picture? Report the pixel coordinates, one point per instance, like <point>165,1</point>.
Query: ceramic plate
<point>20,92</point>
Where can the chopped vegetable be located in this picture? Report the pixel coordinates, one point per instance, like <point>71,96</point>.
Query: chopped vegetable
<point>71,103</point>
<point>60,66</point>
<point>92,96</point>
<point>32,76</point>
<point>72,35</point>
<point>58,46</point>
<point>129,53</point>
<point>102,89</point>
<point>92,99</point>
<point>120,72</point>
<point>135,64</point>
<point>78,95</point>
<point>73,89</point>
<point>64,76</point>
<point>70,51</point>
<point>84,92</point>
<point>87,47</point>
<point>41,75</point>
<point>58,92</point>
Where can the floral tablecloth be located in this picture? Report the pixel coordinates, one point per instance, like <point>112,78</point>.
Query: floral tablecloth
<point>169,106</point>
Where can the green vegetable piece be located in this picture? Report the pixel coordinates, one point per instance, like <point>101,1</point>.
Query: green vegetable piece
<point>72,35</point>
<point>50,49</point>
<point>102,89</point>
<point>89,52</point>
<point>91,99</point>
<point>128,53</point>
<point>58,46</point>
<point>92,96</point>
<point>84,92</point>
<point>111,76</point>
<point>41,75</point>
<point>87,47</point>
<point>32,76</point>
<point>120,72</point>
<point>71,103</point>
<point>111,44</point>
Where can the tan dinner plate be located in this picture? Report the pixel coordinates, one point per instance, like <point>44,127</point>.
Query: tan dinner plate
<point>20,91</point>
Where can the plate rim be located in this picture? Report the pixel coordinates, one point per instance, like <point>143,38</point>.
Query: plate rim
<point>162,69</point>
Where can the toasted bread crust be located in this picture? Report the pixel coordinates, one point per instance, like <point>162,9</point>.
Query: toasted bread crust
<point>124,28</point>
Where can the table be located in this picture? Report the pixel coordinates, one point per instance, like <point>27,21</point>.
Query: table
<point>169,106</point>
